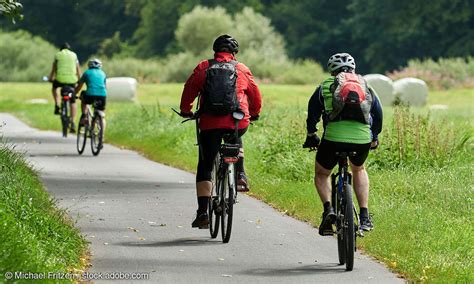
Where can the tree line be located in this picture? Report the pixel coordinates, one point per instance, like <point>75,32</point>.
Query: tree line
<point>382,34</point>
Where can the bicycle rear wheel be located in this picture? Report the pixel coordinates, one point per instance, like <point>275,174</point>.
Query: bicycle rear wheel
<point>81,138</point>
<point>65,117</point>
<point>227,203</point>
<point>96,134</point>
<point>214,201</point>
<point>348,228</point>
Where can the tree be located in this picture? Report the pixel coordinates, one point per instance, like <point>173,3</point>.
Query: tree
<point>197,29</point>
<point>395,31</point>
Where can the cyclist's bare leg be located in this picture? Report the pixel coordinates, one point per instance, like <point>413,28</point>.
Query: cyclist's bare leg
<point>73,111</point>
<point>55,95</point>
<point>204,188</point>
<point>361,184</point>
<point>323,183</point>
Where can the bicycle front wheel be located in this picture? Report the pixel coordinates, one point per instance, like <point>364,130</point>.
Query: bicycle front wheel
<point>215,207</point>
<point>97,132</point>
<point>227,201</point>
<point>348,228</point>
<point>81,138</point>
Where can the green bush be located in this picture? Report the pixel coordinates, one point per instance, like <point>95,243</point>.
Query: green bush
<point>24,57</point>
<point>444,73</point>
<point>302,72</point>
<point>143,70</point>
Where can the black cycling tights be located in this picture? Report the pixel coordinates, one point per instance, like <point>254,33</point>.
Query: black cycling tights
<point>210,141</point>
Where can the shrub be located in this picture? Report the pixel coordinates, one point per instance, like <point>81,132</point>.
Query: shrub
<point>302,72</point>
<point>143,70</point>
<point>24,57</point>
<point>442,74</point>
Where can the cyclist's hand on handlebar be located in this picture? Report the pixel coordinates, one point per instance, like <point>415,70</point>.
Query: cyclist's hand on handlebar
<point>312,141</point>
<point>374,144</point>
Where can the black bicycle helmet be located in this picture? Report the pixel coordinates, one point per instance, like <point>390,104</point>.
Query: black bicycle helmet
<point>225,43</point>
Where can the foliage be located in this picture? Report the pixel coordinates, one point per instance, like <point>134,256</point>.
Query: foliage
<point>11,9</point>
<point>143,70</point>
<point>197,29</point>
<point>36,236</point>
<point>411,29</point>
<point>444,73</point>
<point>84,24</point>
<point>24,57</point>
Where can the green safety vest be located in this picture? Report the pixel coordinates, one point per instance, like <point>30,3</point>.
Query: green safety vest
<point>66,61</point>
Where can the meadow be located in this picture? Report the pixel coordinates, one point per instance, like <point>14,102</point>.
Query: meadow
<point>421,175</point>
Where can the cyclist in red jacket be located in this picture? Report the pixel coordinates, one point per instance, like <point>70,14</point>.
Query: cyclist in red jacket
<point>213,127</point>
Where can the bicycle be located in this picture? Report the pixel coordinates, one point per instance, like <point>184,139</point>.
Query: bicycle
<point>347,219</point>
<point>66,95</point>
<point>92,128</point>
<point>224,181</point>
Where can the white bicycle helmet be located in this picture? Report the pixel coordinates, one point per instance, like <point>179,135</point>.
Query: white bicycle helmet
<point>94,63</point>
<point>341,60</point>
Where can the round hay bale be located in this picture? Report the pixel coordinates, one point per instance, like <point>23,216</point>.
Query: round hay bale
<point>121,88</point>
<point>383,86</point>
<point>411,91</point>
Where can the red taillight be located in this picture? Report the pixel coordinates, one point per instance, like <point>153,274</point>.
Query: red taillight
<point>66,98</point>
<point>231,160</point>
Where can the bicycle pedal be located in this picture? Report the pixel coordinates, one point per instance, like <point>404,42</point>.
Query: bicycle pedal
<point>204,227</point>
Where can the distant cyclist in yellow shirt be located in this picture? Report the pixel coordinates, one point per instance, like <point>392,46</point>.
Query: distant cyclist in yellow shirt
<point>65,72</point>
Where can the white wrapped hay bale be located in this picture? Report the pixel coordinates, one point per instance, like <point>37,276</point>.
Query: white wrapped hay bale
<point>121,88</point>
<point>383,86</point>
<point>411,91</point>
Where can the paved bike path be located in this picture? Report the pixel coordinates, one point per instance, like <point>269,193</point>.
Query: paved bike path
<point>137,214</point>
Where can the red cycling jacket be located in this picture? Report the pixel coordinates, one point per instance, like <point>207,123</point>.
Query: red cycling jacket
<point>248,95</point>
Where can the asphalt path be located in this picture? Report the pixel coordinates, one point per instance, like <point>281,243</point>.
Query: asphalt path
<point>137,216</point>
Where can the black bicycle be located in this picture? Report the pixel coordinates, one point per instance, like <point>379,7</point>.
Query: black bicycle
<point>92,128</point>
<point>224,185</point>
<point>224,180</point>
<point>66,95</point>
<point>347,218</point>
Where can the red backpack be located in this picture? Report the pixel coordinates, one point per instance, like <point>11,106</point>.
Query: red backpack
<point>351,98</point>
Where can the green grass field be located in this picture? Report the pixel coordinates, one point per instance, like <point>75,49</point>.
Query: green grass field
<point>421,175</point>
<point>35,236</point>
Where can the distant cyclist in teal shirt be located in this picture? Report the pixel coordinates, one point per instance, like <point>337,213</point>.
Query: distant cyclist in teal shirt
<point>95,80</point>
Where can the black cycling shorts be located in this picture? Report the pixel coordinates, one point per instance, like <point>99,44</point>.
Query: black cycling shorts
<point>210,142</point>
<point>100,101</point>
<point>326,155</point>
<point>57,84</point>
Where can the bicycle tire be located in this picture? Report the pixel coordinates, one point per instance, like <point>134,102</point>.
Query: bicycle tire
<point>214,216</point>
<point>338,208</point>
<point>348,228</point>
<point>64,118</point>
<point>227,199</point>
<point>81,138</point>
<point>96,134</point>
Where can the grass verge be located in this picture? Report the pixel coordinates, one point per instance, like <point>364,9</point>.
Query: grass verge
<point>35,235</point>
<point>420,180</point>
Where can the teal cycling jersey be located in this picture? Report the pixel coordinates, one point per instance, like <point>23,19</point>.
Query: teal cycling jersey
<point>94,78</point>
